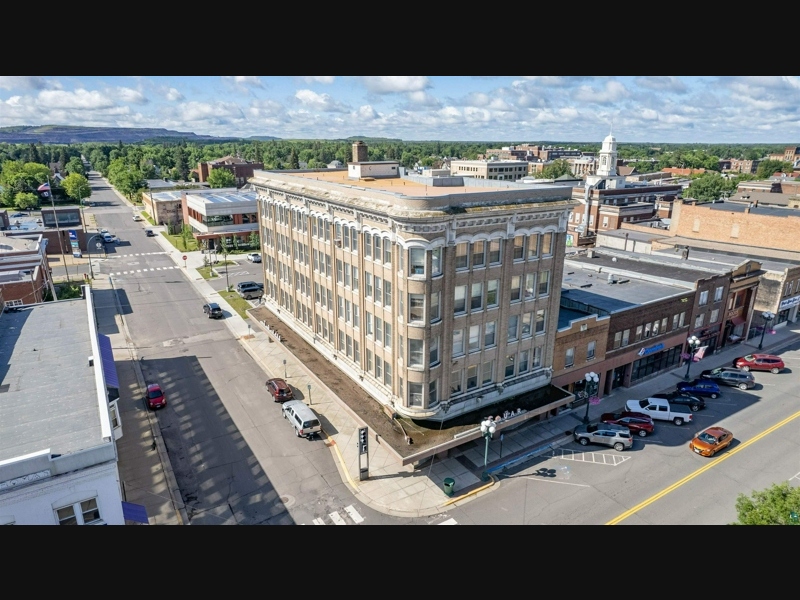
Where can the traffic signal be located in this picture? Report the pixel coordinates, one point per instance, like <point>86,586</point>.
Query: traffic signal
<point>362,440</point>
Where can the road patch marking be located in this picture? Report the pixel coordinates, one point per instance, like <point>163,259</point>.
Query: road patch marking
<point>337,520</point>
<point>351,510</point>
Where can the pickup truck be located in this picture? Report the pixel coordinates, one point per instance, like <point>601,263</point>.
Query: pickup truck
<point>661,410</point>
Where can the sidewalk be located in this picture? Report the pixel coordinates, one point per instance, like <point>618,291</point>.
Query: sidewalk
<point>391,488</point>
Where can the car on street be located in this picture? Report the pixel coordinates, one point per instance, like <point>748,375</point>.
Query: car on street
<point>137,217</point>
<point>699,387</point>
<point>254,257</point>
<point>250,289</point>
<point>617,436</point>
<point>711,441</point>
<point>743,380</point>
<point>639,423</point>
<point>149,233</point>
<point>213,310</point>
<point>760,362</point>
<point>103,230</point>
<point>685,398</point>
<point>279,389</point>
<point>109,238</point>
<point>155,396</point>
<point>19,214</point>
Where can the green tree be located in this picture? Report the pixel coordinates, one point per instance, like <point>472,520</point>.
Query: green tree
<point>254,240</point>
<point>557,169</point>
<point>77,187</point>
<point>186,235</point>
<point>776,505</point>
<point>766,168</point>
<point>75,165</point>
<point>221,178</point>
<point>181,166</point>
<point>26,200</point>
<point>294,161</point>
<point>707,187</point>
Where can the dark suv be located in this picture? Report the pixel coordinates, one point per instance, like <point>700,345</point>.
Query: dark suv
<point>280,390</point>
<point>743,380</point>
<point>213,310</point>
<point>250,289</point>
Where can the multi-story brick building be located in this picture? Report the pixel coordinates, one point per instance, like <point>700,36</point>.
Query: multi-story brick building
<point>242,169</point>
<point>744,166</point>
<point>425,291</point>
<point>791,154</point>
<point>165,208</point>
<point>24,273</point>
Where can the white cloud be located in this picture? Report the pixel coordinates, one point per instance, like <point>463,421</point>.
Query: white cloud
<point>395,84</point>
<point>244,80</point>
<point>78,99</point>
<point>323,102</point>
<point>215,112</point>
<point>310,79</point>
<point>662,83</point>
<point>422,100</point>
<point>125,94</point>
<point>612,91</point>
<point>173,95</point>
<point>367,113</point>
<point>17,82</point>
<point>550,80</point>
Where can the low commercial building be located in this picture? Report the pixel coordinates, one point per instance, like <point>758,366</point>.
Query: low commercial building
<point>58,457</point>
<point>222,213</point>
<point>501,170</point>
<point>24,273</point>
<point>165,208</point>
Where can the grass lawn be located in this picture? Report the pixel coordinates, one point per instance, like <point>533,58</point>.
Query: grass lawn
<point>206,273</point>
<point>177,241</point>
<point>238,303</point>
<point>147,217</point>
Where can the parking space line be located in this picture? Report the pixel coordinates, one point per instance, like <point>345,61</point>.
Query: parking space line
<point>597,458</point>
<point>554,481</point>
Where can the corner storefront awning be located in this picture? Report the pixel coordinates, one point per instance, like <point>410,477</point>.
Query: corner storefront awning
<point>135,512</point>
<point>107,354</point>
<point>738,320</point>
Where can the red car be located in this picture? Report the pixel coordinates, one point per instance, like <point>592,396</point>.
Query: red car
<point>155,397</point>
<point>638,423</point>
<point>760,362</point>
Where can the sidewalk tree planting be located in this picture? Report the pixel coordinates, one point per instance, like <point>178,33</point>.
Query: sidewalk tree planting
<point>776,505</point>
<point>26,201</point>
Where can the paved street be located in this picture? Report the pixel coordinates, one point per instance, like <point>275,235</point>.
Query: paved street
<point>594,484</point>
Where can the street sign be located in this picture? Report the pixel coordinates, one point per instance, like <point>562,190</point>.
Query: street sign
<point>184,257</point>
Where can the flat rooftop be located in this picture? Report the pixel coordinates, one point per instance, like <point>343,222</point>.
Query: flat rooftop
<point>586,281</point>
<point>167,196</point>
<point>741,208</point>
<point>48,396</point>
<point>226,197</point>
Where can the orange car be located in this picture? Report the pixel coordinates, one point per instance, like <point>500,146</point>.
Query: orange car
<point>711,441</point>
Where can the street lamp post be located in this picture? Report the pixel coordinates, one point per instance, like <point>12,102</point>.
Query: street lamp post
<point>692,344</point>
<point>592,384</point>
<point>767,316</point>
<point>487,430</point>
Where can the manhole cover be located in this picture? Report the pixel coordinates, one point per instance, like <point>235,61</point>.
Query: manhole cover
<point>287,500</point>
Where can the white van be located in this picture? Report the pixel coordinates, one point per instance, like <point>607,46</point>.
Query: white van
<point>303,419</point>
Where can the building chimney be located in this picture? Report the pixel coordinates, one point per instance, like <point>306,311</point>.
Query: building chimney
<point>360,152</point>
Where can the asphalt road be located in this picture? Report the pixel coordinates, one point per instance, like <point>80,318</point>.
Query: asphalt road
<point>251,471</point>
<point>660,481</point>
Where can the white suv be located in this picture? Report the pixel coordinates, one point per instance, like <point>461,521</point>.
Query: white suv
<point>254,257</point>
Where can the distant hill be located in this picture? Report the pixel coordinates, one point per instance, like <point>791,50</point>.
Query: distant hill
<point>64,134</point>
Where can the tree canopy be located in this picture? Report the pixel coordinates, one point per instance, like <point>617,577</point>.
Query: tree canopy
<point>779,504</point>
<point>221,178</point>
<point>77,186</point>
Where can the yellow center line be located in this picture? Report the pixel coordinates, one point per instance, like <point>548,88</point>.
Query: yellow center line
<point>701,470</point>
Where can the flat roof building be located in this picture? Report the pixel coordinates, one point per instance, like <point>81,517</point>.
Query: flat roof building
<point>428,292</point>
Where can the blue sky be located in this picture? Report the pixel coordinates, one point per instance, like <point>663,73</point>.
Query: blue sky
<point>710,109</point>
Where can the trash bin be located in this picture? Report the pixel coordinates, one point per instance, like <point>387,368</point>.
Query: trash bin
<point>448,484</point>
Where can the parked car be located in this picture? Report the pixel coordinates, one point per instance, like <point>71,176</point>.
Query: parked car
<point>103,230</point>
<point>302,417</point>
<point>699,387</point>
<point>760,362</point>
<point>149,233</point>
<point>254,257</point>
<point>213,310</point>
<point>137,217</point>
<point>743,380</point>
<point>685,398</point>
<point>250,289</point>
<point>711,441</point>
<point>661,410</point>
<point>638,423</point>
<point>155,397</point>
<point>280,390</point>
<point>108,238</point>
<point>617,436</point>
<point>19,214</point>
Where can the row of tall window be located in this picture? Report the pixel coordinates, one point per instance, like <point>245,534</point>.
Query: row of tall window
<point>648,330</point>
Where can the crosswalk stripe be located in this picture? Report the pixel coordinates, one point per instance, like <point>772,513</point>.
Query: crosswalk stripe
<point>351,510</point>
<point>337,520</point>
<point>449,522</point>
<point>319,521</point>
